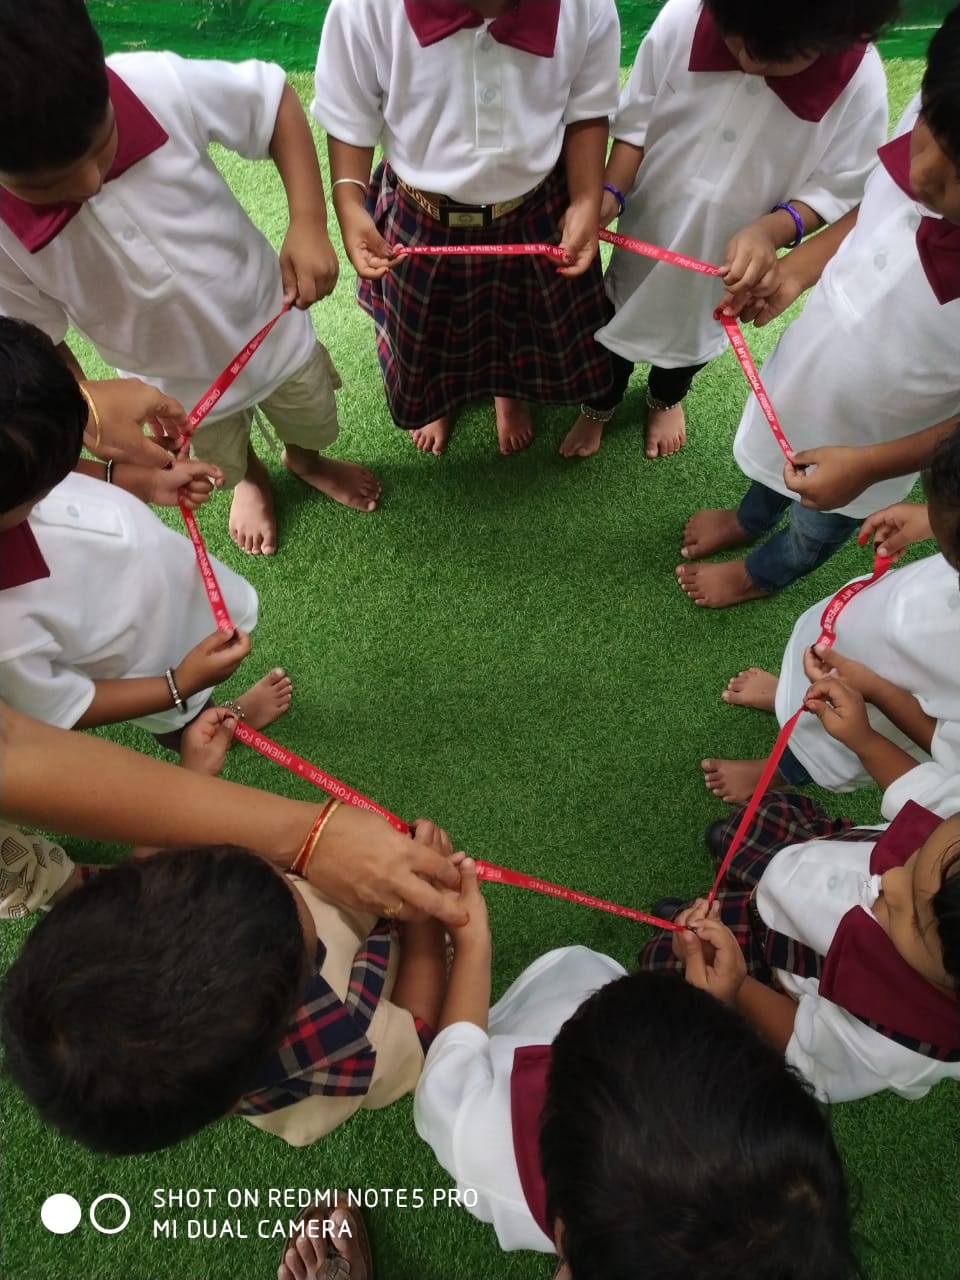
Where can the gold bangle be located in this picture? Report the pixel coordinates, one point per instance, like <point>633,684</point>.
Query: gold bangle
<point>301,863</point>
<point>94,414</point>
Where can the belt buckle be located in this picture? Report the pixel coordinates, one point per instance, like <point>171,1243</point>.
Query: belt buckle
<point>465,219</point>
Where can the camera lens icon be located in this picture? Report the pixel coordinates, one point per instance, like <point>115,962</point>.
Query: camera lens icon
<point>61,1214</point>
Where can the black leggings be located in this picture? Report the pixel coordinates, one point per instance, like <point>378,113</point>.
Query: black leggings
<point>668,385</point>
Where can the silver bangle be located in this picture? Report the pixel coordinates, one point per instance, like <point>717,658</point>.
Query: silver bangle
<point>178,701</point>
<point>354,181</point>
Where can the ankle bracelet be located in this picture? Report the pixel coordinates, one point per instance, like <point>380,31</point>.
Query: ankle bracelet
<point>654,403</point>
<point>596,415</point>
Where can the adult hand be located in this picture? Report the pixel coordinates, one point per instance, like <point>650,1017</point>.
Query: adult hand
<point>124,405</point>
<point>366,248</point>
<point>580,241</point>
<point>722,973</point>
<point>308,263</point>
<point>363,862</point>
<point>895,528</point>
<point>828,477</point>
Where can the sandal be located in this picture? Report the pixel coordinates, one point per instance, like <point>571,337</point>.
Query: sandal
<point>337,1265</point>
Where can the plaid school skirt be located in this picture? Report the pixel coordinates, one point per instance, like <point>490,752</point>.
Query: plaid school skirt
<point>453,330</point>
<point>782,819</point>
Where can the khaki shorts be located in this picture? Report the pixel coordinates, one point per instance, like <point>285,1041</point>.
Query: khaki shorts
<point>302,411</point>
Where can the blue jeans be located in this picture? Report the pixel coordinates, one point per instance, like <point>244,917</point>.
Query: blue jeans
<point>792,771</point>
<point>809,538</point>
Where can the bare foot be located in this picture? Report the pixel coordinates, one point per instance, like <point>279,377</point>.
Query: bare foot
<point>433,437</point>
<point>207,739</point>
<point>716,586</point>
<point>752,688</point>
<point>514,424</point>
<point>712,530</point>
<point>666,432</point>
<point>583,438</point>
<point>345,482</point>
<point>735,781</point>
<point>325,1234</point>
<point>266,700</point>
<point>253,526</point>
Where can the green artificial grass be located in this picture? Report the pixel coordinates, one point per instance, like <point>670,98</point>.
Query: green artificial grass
<point>287,30</point>
<point>504,648</point>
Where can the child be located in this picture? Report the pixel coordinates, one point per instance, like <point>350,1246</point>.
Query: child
<point>851,937</point>
<point>170,991</point>
<point>100,599</point>
<point>842,373</point>
<point>113,218</point>
<point>632,1125</point>
<point>897,645</point>
<point>503,106</point>
<point>742,128</point>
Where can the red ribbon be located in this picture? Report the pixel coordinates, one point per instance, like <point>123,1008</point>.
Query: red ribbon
<point>486,870</point>
<point>199,411</point>
<point>730,324</point>
<point>303,768</point>
<point>828,635</point>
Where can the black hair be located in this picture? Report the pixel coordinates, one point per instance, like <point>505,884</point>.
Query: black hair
<point>945,904</point>
<point>941,484</point>
<point>940,91</point>
<point>676,1144</point>
<point>54,91</point>
<point>42,415</point>
<point>143,1006</point>
<point>779,33</point>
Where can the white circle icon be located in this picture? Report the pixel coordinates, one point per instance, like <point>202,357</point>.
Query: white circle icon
<point>110,1231</point>
<point>60,1214</point>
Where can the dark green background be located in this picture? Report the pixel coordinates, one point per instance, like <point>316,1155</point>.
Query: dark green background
<point>287,31</point>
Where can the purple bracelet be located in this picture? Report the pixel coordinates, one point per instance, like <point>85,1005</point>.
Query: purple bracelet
<point>620,197</point>
<point>797,222</point>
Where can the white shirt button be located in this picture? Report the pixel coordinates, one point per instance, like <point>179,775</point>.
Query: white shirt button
<point>913,222</point>
<point>72,511</point>
<point>488,96</point>
<point>129,233</point>
<point>485,43</point>
<point>754,85</point>
<point>728,135</point>
<point>880,261</point>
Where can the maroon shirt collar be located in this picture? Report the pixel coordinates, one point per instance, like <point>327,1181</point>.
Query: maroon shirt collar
<point>21,560</point>
<point>864,972</point>
<point>938,241</point>
<point>809,95</point>
<point>528,1093</point>
<point>139,134</point>
<point>532,26</point>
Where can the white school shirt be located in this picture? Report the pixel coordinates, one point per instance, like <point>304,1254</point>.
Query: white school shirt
<point>124,598</point>
<point>906,627</point>
<point>163,271</point>
<point>805,892</point>
<point>462,1104</point>
<point>872,357</point>
<point>721,150</point>
<point>469,117</point>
